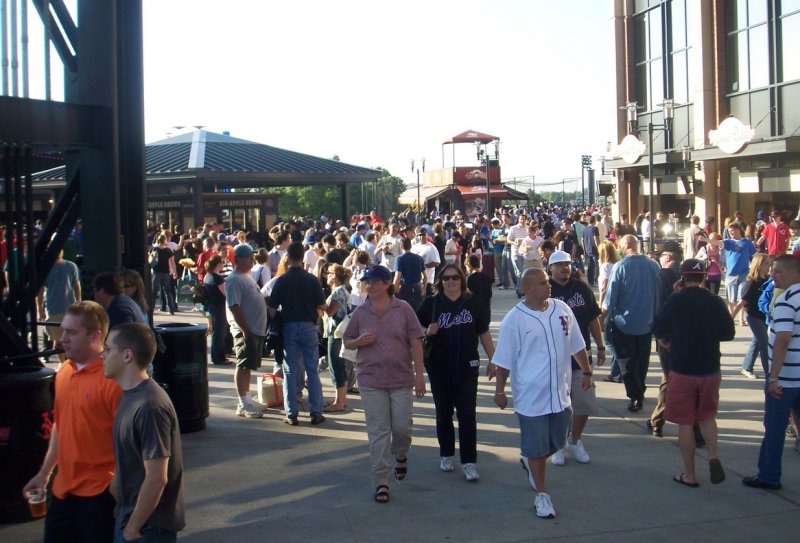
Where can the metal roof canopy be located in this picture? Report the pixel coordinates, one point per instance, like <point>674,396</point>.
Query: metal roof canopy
<point>468,136</point>
<point>236,162</point>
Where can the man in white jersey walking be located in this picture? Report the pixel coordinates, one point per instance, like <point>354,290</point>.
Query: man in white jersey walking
<point>783,389</point>
<point>538,339</point>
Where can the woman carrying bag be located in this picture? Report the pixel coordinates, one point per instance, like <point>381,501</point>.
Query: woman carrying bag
<point>454,321</point>
<point>338,303</point>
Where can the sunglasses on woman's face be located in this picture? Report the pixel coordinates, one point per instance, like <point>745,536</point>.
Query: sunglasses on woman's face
<point>451,278</point>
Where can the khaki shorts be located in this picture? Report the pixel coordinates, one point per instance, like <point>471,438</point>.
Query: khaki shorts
<point>584,402</point>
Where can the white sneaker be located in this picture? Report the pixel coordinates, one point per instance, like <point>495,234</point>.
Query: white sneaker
<point>257,405</point>
<point>470,471</point>
<point>578,452</point>
<point>544,507</point>
<point>526,466</point>
<point>446,463</point>
<point>749,374</point>
<point>558,458</point>
<point>249,412</point>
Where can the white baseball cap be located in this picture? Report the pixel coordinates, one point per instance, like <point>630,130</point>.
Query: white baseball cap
<point>558,257</point>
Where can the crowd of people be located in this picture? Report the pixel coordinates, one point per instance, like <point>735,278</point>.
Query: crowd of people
<point>383,303</point>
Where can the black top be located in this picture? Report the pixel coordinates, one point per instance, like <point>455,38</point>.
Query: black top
<point>298,294</point>
<point>480,286</point>
<point>694,321</point>
<point>337,256</point>
<point>752,291</point>
<point>211,283</point>
<point>163,259</point>
<point>455,346</point>
<point>580,298</point>
<point>124,309</point>
<point>665,282</point>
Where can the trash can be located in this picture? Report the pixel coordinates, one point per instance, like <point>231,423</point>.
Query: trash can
<point>26,419</point>
<point>182,369</point>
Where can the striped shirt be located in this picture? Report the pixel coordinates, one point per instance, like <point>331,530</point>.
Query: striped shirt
<point>786,318</point>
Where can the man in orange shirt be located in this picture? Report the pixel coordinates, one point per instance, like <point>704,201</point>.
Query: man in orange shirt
<point>81,508</point>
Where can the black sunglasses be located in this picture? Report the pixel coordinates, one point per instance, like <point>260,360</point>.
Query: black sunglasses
<point>451,278</point>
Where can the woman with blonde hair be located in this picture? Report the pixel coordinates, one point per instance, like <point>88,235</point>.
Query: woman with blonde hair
<point>338,304</point>
<point>756,320</point>
<point>608,255</point>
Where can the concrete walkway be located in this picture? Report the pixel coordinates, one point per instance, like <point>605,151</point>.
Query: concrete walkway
<point>261,480</point>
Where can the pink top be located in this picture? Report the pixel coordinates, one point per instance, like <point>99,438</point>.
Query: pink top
<point>386,363</point>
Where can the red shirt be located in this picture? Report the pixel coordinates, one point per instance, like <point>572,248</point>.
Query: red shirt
<point>777,234</point>
<point>202,258</point>
<point>85,405</point>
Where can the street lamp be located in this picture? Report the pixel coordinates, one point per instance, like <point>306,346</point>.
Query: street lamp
<point>419,200</point>
<point>483,157</point>
<point>668,108</point>
<point>586,163</point>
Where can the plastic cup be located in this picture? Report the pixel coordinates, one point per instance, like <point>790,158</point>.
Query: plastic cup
<point>37,503</point>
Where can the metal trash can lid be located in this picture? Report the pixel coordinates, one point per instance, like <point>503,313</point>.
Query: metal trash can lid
<point>181,327</point>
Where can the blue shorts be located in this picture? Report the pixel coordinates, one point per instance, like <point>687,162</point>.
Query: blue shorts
<point>543,435</point>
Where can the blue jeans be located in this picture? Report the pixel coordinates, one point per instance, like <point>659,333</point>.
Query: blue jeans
<point>79,518</point>
<point>149,534</point>
<point>301,349</point>
<point>776,418</point>
<point>506,270</point>
<point>518,264</point>
<point>219,333</point>
<point>336,364</point>
<point>591,269</point>
<point>162,283</point>
<point>759,345</point>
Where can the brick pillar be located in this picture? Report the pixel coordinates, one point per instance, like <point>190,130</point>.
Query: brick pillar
<point>723,192</point>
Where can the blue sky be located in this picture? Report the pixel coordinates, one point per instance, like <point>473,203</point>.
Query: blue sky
<point>379,83</point>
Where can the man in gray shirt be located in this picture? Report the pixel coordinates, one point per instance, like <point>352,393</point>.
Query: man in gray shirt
<point>247,317</point>
<point>148,475</point>
<point>62,288</point>
<point>628,308</point>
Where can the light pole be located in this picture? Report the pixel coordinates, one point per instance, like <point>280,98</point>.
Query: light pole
<point>419,199</point>
<point>586,162</point>
<point>668,107</point>
<point>483,156</point>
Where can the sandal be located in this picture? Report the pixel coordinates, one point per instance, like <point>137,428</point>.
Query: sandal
<point>679,479</point>
<point>400,472</point>
<point>382,494</point>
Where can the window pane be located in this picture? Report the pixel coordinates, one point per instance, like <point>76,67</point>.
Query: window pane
<point>639,39</point>
<point>788,6</point>
<point>735,14</point>
<point>790,45</point>
<point>759,57</point>
<point>756,12</point>
<point>678,24</point>
<point>654,26</point>
<point>656,83</point>
<point>680,90</point>
<point>640,5</point>
<point>737,71</point>
<point>640,84</point>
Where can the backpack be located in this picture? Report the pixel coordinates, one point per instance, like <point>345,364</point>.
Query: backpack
<point>700,240</point>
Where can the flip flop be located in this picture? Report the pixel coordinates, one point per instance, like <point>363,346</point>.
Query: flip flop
<point>330,409</point>
<point>382,494</point>
<point>679,479</point>
<point>717,473</point>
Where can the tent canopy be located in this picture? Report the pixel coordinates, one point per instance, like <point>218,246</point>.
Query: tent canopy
<point>471,136</point>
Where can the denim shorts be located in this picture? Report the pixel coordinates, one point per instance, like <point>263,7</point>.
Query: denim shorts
<point>543,435</point>
<point>734,285</point>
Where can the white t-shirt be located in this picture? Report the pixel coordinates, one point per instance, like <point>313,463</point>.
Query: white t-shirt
<point>537,347</point>
<point>310,259</point>
<point>530,248</point>
<point>429,253</point>
<point>786,318</point>
<point>515,233</point>
<point>261,274</point>
<point>392,245</point>
<point>451,247</point>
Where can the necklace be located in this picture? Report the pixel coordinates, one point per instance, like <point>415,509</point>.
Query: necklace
<point>543,307</point>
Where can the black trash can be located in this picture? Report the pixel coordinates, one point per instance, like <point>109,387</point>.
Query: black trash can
<point>26,419</point>
<point>182,369</point>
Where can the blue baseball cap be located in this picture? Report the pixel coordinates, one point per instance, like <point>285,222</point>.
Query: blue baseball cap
<point>377,273</point>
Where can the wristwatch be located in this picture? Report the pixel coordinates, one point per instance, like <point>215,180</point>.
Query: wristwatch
<point>773,380</point>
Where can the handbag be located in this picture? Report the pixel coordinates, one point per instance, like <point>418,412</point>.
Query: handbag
<point>427,341</point>
<point>186,285</point>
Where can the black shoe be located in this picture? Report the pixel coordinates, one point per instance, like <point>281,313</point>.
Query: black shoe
<point>317,419</point>
<point>754,482</point>
<point>291,421</point>
<point>634,406</point>
<point>657,431</point>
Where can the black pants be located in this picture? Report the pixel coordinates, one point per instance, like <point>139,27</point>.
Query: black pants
<point>633,355</point>
<point>411,294</point>
<point>462,397</point>
<point>80,520</point>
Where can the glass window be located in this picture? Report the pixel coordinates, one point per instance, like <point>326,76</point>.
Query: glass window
<point>736,14</point>
<point>788,6</point>
<point>639,38</point>
<point>641,86</point>
<point>678,30</point>
<point>654,25</point>
<point>656,83</point>
<point>680,83</point>
<point>737,62</point>
<point>759,57</point>
<point>756,12</point>
<point>790,41</point>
